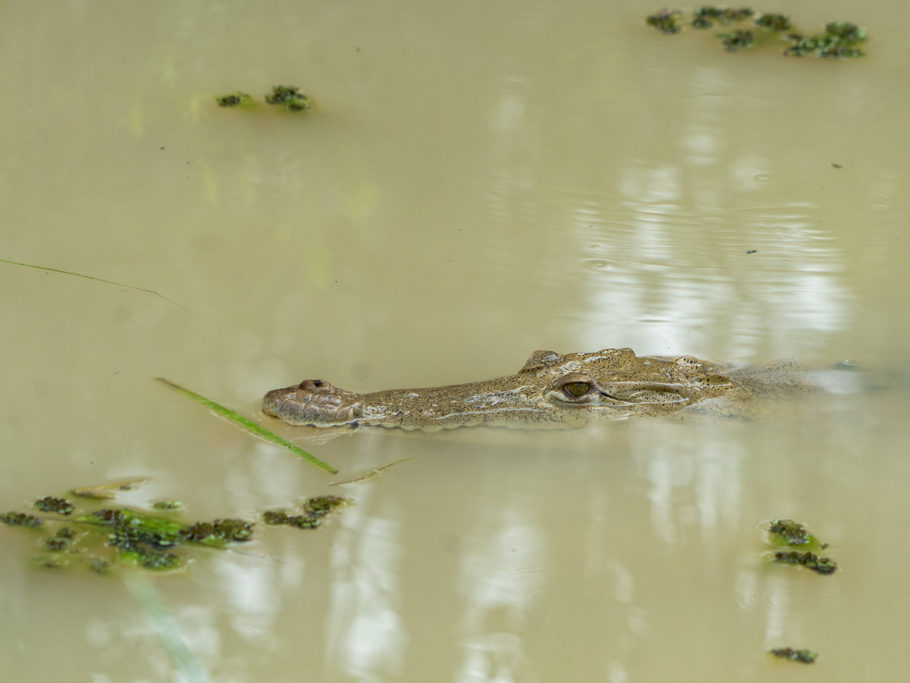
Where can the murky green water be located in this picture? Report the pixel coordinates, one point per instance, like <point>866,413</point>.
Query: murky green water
<point>477,181</point>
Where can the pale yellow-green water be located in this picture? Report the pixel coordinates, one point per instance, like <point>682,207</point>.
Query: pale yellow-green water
<point>476,182</point>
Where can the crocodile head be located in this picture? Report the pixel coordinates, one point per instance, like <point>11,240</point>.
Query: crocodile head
<point>550,389</point>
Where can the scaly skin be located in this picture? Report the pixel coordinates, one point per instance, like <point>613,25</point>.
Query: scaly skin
<point>551,390</point>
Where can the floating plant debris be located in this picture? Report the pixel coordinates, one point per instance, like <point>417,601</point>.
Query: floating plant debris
<point>841,39</point>
<point>791,534</point>
<point>290,97</point>
<point>313,512</point>
<point>50,504</point>
<point>821,565</point>
<point>111,537</point>
<point>237,99</point>
<point>803,656</point>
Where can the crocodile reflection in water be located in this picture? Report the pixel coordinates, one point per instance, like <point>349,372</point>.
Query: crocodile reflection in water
<point>550,390</point>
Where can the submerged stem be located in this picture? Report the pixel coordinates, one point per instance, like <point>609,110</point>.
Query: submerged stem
<point>48,269</point>
<point>168,630</point>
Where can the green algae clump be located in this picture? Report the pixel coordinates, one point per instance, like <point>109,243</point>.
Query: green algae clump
<point>108,538</point>
<point>111,537</point>
<point>666,20</point>
<point>774,22</point>
<point>60,540</point>
<point>820,565</point>
<point>314,511</point>
<point>237,99</point>
<point>737,40</point>
<point>22,519</point>
<point>704,17</point>
<point>802,656</point>
<point>788,532</point>
<point>217,533</point>
<point>150,540</point>
<point>841,39</point>
<point>51,504</point>
<point>791,534</point>
<point>290,97</point>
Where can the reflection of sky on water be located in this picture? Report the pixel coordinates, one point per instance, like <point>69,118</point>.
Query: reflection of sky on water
<point>640,553</point>
<point>366,637</point>
<point>789,284</point>
<point>658,234</point>
<point>502,572</point>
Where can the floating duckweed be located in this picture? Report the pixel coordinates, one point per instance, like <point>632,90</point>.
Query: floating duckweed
<point>114,536</point>
<point>821,565</point>
<point>237,99</point>
<point>289,96</point>
<point>22,519</point>
<point>167,505</point>
<point>845,31</point>
<point>51,504</point>
<point>110,516</point>
<point>274,516</point>
<point>737,40</point>
<point>792,534</point>
<point>200,532</point>
<point>803,656</point>
<point>149,540</point>
<point>314,510</point>
<point>61,539</point>
<point>218,532</point>
<point>774,22</point>
<point>706,16</point>
<point>839,40</point>
<point>277,517</point>
<point>666,20</point>
<point>56,543</point>
<point>320,506</point>
<point>789,532</point>
<point>110,537</point>
<point>131,527</point>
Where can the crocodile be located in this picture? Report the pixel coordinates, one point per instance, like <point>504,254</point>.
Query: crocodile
<point>551,390</point>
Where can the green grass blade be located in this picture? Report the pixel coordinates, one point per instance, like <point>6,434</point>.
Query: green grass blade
<point>48,269</point>
<point>249,425</point>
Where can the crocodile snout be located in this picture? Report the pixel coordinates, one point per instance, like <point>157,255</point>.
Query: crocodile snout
<point>313,402</point>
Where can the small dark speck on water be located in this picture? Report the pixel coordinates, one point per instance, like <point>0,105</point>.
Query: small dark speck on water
<point>834,164</point>
<point>752,251</point>
<point>161,148</point>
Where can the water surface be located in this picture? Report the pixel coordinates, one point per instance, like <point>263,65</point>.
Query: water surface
<point>477,181</point>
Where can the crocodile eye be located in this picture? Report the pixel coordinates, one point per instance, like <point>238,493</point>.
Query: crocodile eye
<point>576,389</point>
